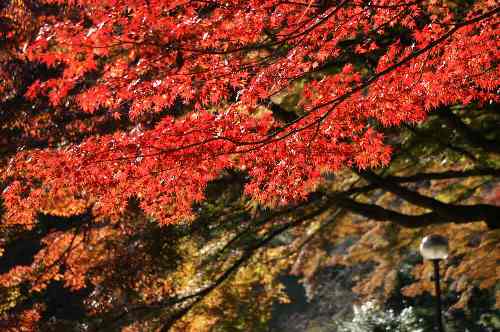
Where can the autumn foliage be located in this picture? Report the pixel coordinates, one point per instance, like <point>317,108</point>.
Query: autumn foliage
<point>144,103</point>
<point>222,62</point>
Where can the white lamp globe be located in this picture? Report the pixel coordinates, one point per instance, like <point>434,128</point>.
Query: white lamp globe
<point>434,247</point>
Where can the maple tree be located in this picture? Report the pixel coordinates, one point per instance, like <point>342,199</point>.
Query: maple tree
<point>121,103</point>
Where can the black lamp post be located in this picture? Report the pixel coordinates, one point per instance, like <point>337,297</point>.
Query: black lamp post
<point>435,248</point>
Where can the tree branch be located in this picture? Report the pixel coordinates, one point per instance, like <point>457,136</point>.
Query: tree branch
<point>444,175</point>
<point>450,212</point>
<point>375,212</point>
<point>470,134</point>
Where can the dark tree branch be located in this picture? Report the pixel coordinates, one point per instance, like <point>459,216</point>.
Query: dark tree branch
<point>454,148</point>
<point>469,133</point>
<point>471,213</point>
<point>375,212</point>
<point>450,212</point>
<point>445,175</point>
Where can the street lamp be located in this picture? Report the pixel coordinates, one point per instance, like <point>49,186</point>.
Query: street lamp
<point>435,248</point>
